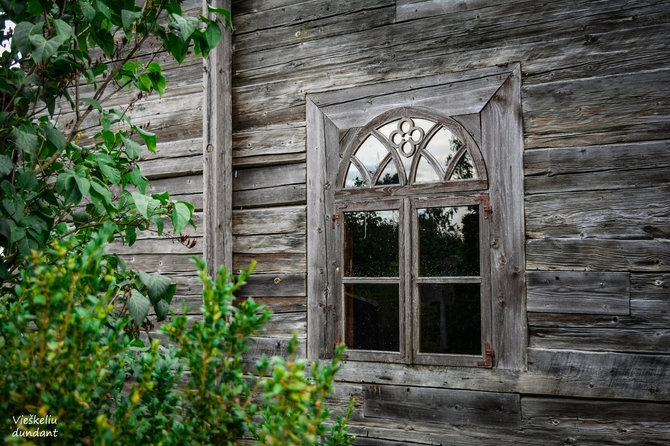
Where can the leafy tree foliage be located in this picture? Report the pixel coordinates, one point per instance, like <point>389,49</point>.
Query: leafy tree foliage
<point>68,163</point>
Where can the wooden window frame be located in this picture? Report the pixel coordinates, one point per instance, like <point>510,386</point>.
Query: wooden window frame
<point>488,100</point>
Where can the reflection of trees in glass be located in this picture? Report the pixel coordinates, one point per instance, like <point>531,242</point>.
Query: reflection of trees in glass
<point>449,241</point>
<point>372,316</point>
<point>450,318</point>
<point>371,244</point>
<point>464,169</point>
<point>389,179</point>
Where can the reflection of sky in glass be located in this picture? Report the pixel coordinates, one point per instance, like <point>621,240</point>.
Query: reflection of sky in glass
<point>425,172</point>
<point>389,174</point>
<point>354,177</point>
<point>387,128</point>
<point>443,146</point>
<point>371,153</point>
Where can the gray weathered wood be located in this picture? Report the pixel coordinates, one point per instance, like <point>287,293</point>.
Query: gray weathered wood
<point>637,340</point>
<point>270,196</point>
<point>625,213</point>
<point>578,292</point>
<point>599,255</point>
<point>270,221</point>
<point>217,150</point>
<point>501,127</point>
<point>279,285</point>
<point>460,407</point>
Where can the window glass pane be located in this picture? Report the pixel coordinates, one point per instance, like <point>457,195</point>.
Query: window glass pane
<point>425,172</point>
<point>450,318</point>
<point>449,241</point>
<point>389,174</point>
<point>370,153</point>
<point>354,177</point>
<point>465,169</point>
<point>443,146</point>
<point>371,244</point>
<point>372,317</point>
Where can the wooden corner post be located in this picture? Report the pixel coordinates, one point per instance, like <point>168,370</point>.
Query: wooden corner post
<point>217,141</point>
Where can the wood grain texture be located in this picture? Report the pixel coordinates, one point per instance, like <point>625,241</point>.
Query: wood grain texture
<point>578,292</point>
<point>459,407</point>
<point>217,150</point>
<point>599,255</point>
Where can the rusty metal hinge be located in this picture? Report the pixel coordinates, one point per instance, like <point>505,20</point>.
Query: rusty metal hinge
<point>336,215</point>
<point>490,356</point>
<point>487,207</point>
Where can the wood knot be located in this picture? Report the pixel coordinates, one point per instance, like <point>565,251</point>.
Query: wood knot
<point>276,280</point>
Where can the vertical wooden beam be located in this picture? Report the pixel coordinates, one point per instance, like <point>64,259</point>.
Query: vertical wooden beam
<point>502,143</point>
<point>217,150</point>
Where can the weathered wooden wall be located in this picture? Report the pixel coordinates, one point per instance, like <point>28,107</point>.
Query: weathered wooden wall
<point>595,88</point>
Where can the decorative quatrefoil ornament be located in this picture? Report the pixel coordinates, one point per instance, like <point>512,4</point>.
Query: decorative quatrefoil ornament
<point>407,137</point>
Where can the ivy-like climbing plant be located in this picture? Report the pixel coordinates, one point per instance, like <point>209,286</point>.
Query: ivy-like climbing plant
<point>69,162</point>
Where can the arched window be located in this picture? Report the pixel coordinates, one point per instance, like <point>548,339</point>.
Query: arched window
<point>411,187</point>
<point>415,239</point>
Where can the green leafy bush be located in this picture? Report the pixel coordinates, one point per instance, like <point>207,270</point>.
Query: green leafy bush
<point>68,162</point>
<point>66,356</point>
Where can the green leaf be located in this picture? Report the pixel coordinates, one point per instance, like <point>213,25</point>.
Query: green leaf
<point>213,34</point>
<point>55,136</point>
<point>82,183</point>
<point>158,221</point>
<point>26,141</point>
<point>138,306</point>
<point>149,139</point>
<point>63,29</point>
<point>88,10</point>
<point>131,234</point>
<point>224,12</point>
<point>104,9</point>
<point>21,39</point>
<point>27,180</point>
<point>129,17</point>
<point>133,149</point>
<point>185,25</point>
<point>43,49</point>
<point>158,286</point>
<point>17,233</point>
<point>181,215</point>
<point>144,82</point>
<point>110,172</point>
<point>137,179</point>
<point>162,310</point>
<point>92,102</point>
<point>101,190</point>
<point>145,205</point>
<point>6,166</point>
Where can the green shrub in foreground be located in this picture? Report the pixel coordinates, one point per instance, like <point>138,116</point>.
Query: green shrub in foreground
<point>67,357</point>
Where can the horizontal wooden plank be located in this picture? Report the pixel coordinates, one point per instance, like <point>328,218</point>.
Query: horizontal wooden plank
<point>359,15</point>
<point>283,304</point>
<point>598,374</point>
<point>582,159</point>
<point>624,213</point>
<point>191,246</point>
<point>268,244</point>
<point>264,177</point>
<point>279,220</point>
<point>416,9</point>
<point>578,292</point>
<point>598,254</point>
<point>171,167</point>
<point>174,263</point>
<point>637,340</point>
<point>459,407</point>
<point>271,196</point>
<point>274,14</point>
<point>595,422</point>
<point>552,372</point>
<point>274,285</point>
<point>272,262</point>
